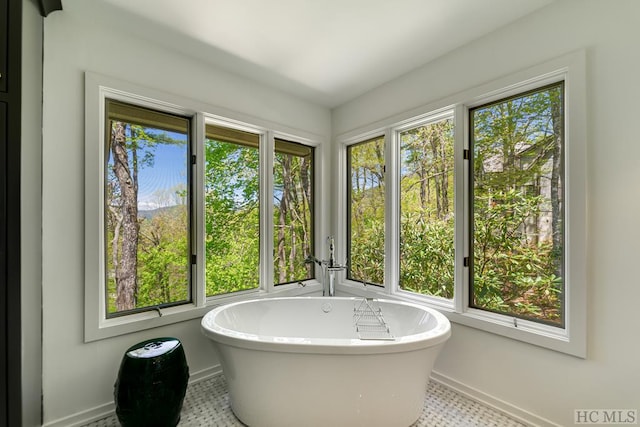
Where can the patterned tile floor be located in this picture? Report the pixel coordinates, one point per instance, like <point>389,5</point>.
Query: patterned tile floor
<point>207,404</point>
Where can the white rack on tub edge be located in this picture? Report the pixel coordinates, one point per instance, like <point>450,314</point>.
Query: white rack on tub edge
<point>369,321</point>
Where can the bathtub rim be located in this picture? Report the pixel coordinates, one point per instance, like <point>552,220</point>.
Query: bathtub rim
<point>433,337</point>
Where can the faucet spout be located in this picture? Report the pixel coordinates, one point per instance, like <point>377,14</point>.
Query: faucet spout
<point>331,268</point>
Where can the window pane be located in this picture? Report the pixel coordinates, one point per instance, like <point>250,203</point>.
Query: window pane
<point>292,211</point>
<point>518,204</point>
<point>232,210</point>
<point>426,209</point>
<point>366,211</point>
<point>147,208</point>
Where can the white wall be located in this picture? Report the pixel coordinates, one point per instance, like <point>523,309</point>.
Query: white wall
<point>549,384</point>
<point>79,377</point>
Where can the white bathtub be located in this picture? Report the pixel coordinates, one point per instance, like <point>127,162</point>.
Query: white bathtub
<point>301,362</point>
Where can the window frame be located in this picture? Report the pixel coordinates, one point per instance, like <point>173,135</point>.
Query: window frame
<point>200,235</point>
<point>570,68</point>
<point>434,117</point>
<point>312,207</point>
<point>97,325</point>
<point>349,205</point>
<point>528,89</point>
<point>189,204</point>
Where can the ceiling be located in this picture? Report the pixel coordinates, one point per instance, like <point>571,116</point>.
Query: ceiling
<point>324,51</point>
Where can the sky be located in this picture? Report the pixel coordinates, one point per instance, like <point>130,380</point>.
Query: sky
<point>157,184</point>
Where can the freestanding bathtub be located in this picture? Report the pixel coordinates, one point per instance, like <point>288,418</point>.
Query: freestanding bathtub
<point>313,361</point>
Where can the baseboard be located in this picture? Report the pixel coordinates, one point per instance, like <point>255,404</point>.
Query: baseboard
<point>84,417</point>
<point>204,374</point>
<point>106,410</point>
<point>506,408</point>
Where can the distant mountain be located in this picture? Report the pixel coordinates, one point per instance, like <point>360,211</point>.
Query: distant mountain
<point>150,213</point>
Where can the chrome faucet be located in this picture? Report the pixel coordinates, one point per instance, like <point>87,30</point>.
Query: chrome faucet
<point>329,269</point>
<point>331,257</point>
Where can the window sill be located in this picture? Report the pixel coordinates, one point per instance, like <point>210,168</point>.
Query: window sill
<point>553,338</point>
<point>98,328</point>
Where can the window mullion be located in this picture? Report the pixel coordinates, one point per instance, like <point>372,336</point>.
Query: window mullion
<point>461,209</point>
<point>340,210</point>
<point>267,144</point>
<point>198,282</point>
<point>392,211</point>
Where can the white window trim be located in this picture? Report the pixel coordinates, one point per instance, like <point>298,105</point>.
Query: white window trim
<point>98,87</point>
<point>572,339</point>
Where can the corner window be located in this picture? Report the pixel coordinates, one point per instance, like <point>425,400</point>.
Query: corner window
<point>187,208</point>
<point>479,208</point>
<point>293,212</point>
<point>147,209</point>
<point>517,199</point>
<point>366,211</point>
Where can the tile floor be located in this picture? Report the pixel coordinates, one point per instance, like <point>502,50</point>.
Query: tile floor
<point>207,404</point>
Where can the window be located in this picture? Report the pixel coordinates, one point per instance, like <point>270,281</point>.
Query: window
<point>232,210</point>
<point>147,204</point>
<point>293,212</point>
<point>517,199</point>
<point>427,209</point>
<point>476,206</point>
<point>366,221</point>
<point>186,208</point>
<point>232,188</point>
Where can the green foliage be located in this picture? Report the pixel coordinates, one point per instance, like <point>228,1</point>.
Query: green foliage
<point>510,272</point>
<point>236,267</point>
<point>231,217</point>
<point>426,203</point>
<point>366,257</point>
<point>367,251</point>
<point>293,212</point>
<point>427,256</point>
<point>163,258</point>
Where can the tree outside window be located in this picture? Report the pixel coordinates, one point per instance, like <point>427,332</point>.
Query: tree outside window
<point>426,209</point>
<point>293,211</point>
<point>365,238</point>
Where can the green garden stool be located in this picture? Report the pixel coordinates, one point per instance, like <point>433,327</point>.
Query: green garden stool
<point>151,384</point>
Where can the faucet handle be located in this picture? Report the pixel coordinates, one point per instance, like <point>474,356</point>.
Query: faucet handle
<point>310,259</point>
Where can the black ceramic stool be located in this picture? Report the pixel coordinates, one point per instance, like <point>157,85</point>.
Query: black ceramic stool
<point>151,384</point>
